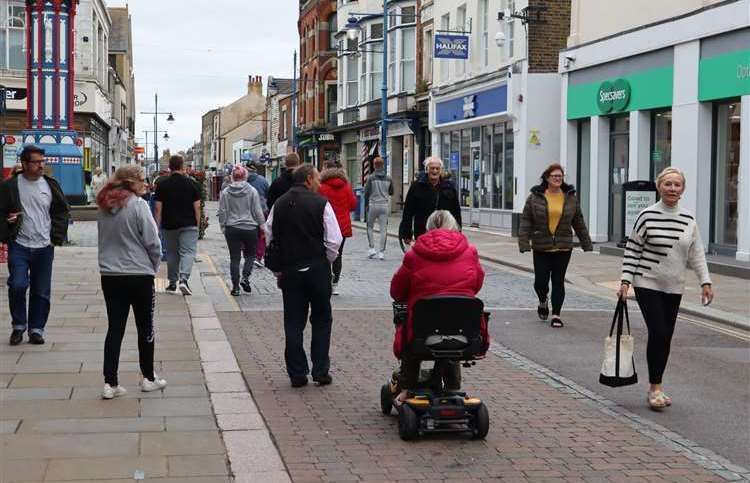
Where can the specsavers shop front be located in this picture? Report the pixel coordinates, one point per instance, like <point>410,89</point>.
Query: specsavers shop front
<point>677,94</point>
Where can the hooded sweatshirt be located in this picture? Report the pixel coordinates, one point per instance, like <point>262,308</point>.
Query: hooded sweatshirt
<point>128,237</point>
<point>239,207</point>
<point>379,188</point>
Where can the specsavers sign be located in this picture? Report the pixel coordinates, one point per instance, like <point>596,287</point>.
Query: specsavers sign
<point>613,96</point>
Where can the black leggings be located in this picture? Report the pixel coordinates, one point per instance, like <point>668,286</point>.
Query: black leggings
<point>239,240</point>
<point>551,265</point>
<point>659,311</point>
<point>120,293</point>
<point>337,264</point>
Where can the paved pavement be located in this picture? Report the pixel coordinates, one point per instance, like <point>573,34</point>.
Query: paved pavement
<point>336,433</point>
<point>203,428</point>
<point>600,274</point>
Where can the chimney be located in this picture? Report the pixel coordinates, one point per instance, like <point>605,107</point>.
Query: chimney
<point>255,85</point>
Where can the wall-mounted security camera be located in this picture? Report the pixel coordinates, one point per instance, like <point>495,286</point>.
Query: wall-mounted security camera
<point>500,39</point>
<point>505,15</point>
<point>569,59</point>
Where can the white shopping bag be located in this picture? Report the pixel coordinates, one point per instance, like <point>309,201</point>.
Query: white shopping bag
<point>618,366</point>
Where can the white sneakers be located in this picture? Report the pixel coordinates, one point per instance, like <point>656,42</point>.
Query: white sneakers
<point>110,392</point>
<point>381,256</point>
<point>371,253</point>
<point>155,385</point>
<point>184,288</point>
<point>334,288</point>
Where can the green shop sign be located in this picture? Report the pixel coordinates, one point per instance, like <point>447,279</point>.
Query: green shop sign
<point>648,89</point>
<point>613,96</point>
<point>725,75</point>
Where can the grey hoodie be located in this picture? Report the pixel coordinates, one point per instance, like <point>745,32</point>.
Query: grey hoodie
<point>128,240</point>
<point>378,188</point>
<point>239,207</point>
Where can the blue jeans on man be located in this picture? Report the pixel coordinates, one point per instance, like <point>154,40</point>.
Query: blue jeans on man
<point>29,269</point>
<point>182,246</point>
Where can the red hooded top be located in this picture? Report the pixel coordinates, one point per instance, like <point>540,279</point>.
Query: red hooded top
<point>442,262</point>
<point>336,189</point>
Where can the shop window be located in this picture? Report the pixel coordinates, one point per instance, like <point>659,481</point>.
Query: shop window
<point>486,182</point>
<point>509,180</point>
<point>583,181</point>
<point>353,165</point>
<point>726,171</point>
<point>661,142</point>
<point>445,151</point>
<point>465,171</point>
<point>456,154</point>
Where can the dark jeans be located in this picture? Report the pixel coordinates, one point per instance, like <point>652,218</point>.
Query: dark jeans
<point>450,373</point>
<point>337,264</point>
<point>121,293</point>
<point>303,291</point>
<point>551,265</point>
<point>659,311</point>
<point>29,268</point>
<point>239,242</point>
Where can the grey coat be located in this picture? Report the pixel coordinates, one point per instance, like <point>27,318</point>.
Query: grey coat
<point>240,207</point>
<point>534,233</point>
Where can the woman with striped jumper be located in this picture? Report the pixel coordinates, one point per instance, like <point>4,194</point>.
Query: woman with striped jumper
<point>665,240</point>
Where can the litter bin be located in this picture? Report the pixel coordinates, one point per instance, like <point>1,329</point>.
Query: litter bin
<point>359,215</point>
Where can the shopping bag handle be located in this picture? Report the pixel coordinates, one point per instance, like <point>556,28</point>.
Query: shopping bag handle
<point>620,311</point>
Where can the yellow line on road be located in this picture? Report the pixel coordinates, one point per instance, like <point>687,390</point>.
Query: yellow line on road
<point>736,333</point>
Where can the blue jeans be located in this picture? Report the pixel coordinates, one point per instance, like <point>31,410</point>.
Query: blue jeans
<point>182,245</point>
<point>29,268</point>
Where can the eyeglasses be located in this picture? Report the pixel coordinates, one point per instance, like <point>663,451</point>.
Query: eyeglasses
<point>36,161</point>
<point>555,176</point>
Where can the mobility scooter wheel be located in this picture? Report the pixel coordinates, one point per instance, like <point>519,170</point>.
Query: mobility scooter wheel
<point>481,422</point>
<point>386,399</point>
<point>407,423</point>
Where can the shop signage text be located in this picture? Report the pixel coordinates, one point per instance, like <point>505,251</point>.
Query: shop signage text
<point>451,46</point>
<point>613,96</point>
<point>469,106</point>
<point>15,94</point>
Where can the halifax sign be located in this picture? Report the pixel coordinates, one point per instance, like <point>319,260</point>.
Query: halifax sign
<point>451,46</point>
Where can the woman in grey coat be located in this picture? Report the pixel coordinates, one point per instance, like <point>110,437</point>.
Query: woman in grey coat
<point>129,256</point>
<point>240,217</point>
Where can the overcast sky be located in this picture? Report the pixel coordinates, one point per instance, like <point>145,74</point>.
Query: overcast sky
<point>197,56</point>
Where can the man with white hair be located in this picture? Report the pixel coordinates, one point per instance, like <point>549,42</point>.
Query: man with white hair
<point>432,191</point>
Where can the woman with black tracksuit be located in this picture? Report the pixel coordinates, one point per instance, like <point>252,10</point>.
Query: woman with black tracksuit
<point>550,216</point>
<point>129,256</point>
<point>665,240</point>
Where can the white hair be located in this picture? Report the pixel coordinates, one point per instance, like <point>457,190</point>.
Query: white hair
<point>442,219</point>
<point>433,159</point>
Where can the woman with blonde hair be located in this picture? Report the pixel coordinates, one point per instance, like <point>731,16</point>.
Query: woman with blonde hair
<point>664,241</point>
<point>129,255</point>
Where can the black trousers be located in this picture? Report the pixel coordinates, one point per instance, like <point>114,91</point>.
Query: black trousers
<point>659,311</point>
<point>121,293</point>
<point>303,292</point>
<point>551,265</point>
<point>240,241</point>
<point>337,264</point>
<point>450,372</point>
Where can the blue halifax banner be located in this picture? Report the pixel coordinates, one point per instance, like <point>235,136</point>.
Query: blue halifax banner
<point>451,46</point>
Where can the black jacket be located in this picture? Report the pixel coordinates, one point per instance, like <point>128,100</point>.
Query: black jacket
<point>298,227</point>
<point>421,200</point>
<point>533,231</point>
<point>281,185</point>
<point>10,202</point>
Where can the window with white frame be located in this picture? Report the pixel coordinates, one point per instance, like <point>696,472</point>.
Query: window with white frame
<point>376,70</point>
<point>392,35</point>
<point>461,25</point>
<point>483,33</point>
<point>445,24</point>
<point>362,57</point>
<point>408,59</point>
<point>352,94</point>
<point>13,36</point>
<point>429,48</point>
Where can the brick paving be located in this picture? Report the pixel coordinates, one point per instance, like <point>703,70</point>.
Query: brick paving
<point>337,433</point>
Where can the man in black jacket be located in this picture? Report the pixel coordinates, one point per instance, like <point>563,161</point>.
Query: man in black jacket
<point>305,227</point>
<point>34,217</point>
<point>283,183</point>
<point>428,193</point>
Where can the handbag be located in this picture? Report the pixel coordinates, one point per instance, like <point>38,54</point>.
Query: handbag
<point>272,258</point>
<point>618,367</point>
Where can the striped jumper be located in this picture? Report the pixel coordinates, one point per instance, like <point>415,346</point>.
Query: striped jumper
<point>664,241</point>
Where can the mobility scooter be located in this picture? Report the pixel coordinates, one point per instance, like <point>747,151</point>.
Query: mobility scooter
<point>447,329</point>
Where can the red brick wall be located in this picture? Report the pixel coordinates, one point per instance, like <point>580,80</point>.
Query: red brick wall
<point>547,39</point>
<point>316,65</point>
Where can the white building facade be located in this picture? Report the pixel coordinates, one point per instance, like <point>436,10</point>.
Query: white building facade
<point>675,92</point>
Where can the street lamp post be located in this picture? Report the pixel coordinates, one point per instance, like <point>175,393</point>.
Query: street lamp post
<point>155,164</point>
<point>156,113</point>
<point>353,30</point>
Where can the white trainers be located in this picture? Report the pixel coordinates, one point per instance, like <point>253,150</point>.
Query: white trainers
<point>110,392</point>
<point>155,385</point>
<point>334,288</point>
<point>371,253</point>
<point>184,288</point>
<point>381,256</point>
